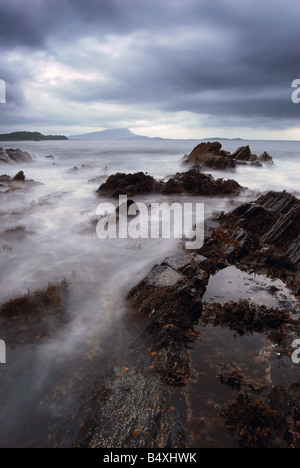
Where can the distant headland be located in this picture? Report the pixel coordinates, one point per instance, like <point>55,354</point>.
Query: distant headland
<point>29,136</point>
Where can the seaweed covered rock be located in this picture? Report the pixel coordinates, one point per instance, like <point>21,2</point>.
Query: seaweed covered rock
<point>129,407</point>
<point>34,317</point>
<point>251,421</point>
<point>193,182</point>
<point>127,184</point>
<point>198,183</point>
<point>164,308</point>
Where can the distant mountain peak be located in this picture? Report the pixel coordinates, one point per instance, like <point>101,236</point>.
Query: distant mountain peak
<point>109,134</point>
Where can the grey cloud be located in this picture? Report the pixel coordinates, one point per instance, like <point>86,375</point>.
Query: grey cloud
<point>236,59</point>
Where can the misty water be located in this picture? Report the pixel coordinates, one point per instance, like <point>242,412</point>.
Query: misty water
<point>57,242</point>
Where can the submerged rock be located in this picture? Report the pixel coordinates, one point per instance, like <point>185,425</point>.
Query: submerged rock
<point>18,182</point>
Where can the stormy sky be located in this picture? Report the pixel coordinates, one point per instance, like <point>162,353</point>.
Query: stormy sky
<point>169,68</point>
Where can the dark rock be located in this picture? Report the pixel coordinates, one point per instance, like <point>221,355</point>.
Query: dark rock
<point>127,184</point>
<point>34,317</point>
<point>20,176</point>
<point>265,158</point>
<point>282,401</point>
<point>242,154</point>
<point>5,178</point>
<point>197,183</point>
<point>14,156</point>
<point>193,182</point>
<point>209,155</point>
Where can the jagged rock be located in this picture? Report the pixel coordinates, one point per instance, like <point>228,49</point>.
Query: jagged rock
<point>242,154</point>
<point>209,155</point>
<point>14,156</point>
<point>265,158</point>
<point>275,217</point>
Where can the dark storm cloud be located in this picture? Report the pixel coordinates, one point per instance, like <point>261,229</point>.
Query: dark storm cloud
<point>217,58</point>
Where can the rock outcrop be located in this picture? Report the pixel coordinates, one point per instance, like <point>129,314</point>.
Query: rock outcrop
<point>128,184</point>
<point>193,182</point>
<point>210,155</point>
<point>198,183</point>
<point>13,156</point>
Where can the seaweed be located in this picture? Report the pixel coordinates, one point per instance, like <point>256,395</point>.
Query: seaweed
<point>251,422</point>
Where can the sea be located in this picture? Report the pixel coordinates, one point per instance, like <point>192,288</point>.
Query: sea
<point>59,242</point>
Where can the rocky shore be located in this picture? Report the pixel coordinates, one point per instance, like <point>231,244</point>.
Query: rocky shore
<point>144,399</point>
<point>141,404</point>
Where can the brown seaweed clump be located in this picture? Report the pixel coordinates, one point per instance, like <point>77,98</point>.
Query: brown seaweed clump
<point>243,317</point>
<point>251,422</point>
<point>34,317</point>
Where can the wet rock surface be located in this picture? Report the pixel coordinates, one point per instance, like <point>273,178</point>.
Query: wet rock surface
<point>210,155</point>
<point>192,182</point>
<point>139,404</point>
<point>164,309</point>
<point>128,184</point>
<point>197,183</point>
<point>35,317</point>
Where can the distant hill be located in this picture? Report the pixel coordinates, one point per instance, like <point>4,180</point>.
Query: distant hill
<point>110,134</point>
<point>29,136</point>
